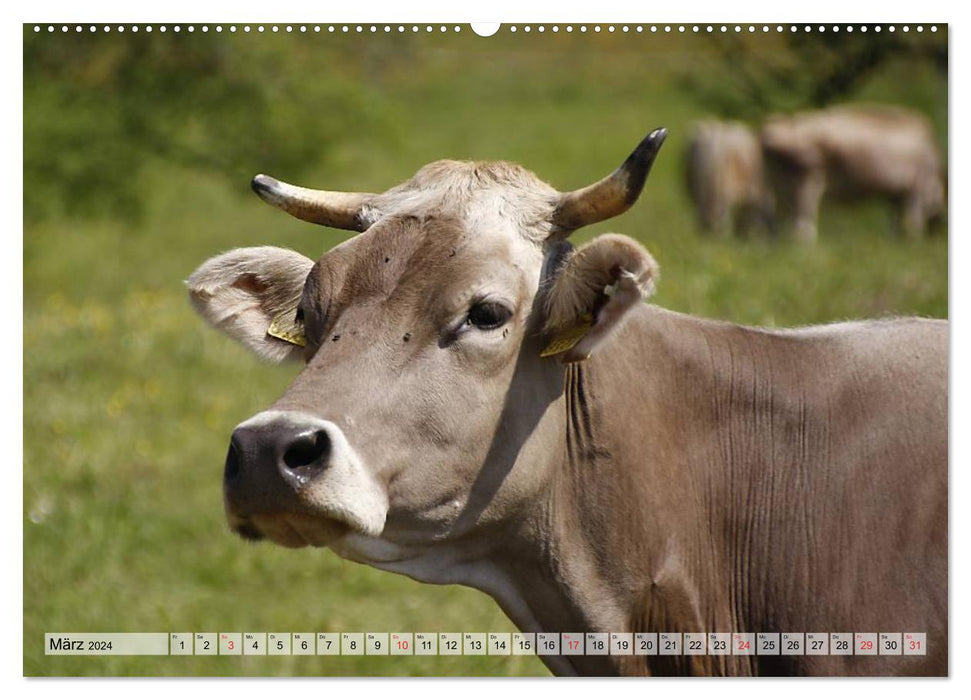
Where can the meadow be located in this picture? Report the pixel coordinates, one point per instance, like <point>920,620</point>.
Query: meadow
<point>129,398</point>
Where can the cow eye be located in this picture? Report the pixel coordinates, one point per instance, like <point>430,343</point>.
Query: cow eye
<point>298,317</point>
<point>486,315</point>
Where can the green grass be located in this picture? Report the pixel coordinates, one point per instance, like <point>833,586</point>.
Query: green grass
<point>129,399</point>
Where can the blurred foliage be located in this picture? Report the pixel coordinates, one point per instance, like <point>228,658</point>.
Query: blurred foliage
<point>753,75</point>
<point>98,108</point>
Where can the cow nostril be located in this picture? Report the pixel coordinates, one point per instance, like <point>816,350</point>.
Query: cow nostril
<point>308,449</point>
<point>232,462</point>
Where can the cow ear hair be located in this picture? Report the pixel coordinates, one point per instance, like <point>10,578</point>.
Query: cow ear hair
<point>592,292</point>
<point>247,292</point>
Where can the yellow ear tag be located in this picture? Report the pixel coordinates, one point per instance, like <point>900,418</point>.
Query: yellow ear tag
<point>285,327</point>
<point>564,340</point>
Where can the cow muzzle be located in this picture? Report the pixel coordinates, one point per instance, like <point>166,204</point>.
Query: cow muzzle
<point>296,479</point>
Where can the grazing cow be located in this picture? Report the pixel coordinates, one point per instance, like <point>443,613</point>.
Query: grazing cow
<point>850,153</point>
<point>725,178</point>
<point>482,403</point>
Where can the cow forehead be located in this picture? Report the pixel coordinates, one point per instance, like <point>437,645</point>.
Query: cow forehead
<point>407,258</point>
<point>450,218</point>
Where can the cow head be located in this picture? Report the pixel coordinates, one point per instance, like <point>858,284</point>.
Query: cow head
<point>425,387</point>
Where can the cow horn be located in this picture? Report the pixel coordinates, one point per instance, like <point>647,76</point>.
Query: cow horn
<point>335,209</point>
<point>613,195</point>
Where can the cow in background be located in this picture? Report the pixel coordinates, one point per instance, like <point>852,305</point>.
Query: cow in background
<point>851,153</point>
<point>726,179</point>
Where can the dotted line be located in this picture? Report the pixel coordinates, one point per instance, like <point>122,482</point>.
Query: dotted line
<point>247,28</point>
<point>720,28</point>
<point>401,29</point>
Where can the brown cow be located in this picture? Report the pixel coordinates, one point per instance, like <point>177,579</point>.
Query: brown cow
<point>483,404</point>
<point>849,153</point>
<point>725,178</point>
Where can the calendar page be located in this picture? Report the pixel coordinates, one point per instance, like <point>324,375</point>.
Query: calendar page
<point>523,349</point>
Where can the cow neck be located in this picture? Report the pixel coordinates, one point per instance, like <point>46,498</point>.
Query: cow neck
<point>609,551</point>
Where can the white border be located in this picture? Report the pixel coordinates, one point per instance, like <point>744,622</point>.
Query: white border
<point>359,11</point>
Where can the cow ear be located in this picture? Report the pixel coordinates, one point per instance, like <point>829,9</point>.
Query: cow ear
<point>251,295</point>
<point>593,290</point>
